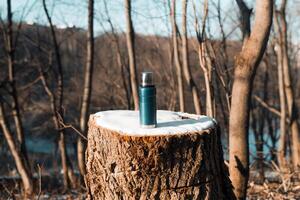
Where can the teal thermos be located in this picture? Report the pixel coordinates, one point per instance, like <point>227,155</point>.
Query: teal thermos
<point>147,101</point>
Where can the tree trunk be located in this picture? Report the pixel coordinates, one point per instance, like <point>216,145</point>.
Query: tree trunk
<point>57,108</point>
<point>282,139</point>
<point>63,156</point>
<point>205,60</point>
<point>128,162</point>
<point>120,60</point>
<point>131,54</point>
<point>87,88</point>
<point>185,60</point>
<point>176,57</point>
<point>19,158</point>
<point>11,78</point>
<point>246,64</point>
<point>206,66</point>
<point>292,109</point>
<point>257,120</point>
<point>68,176</point>
<point>273,137</point>
<point>259,134</point>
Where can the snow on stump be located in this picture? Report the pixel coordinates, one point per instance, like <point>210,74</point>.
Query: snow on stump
<point>180,159</point>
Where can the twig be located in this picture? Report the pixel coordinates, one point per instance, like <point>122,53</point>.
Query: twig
<point>25,87</point>
<point>286,179</point>
<point>7,190</point>
<point>65,126</point>
<point>40,181</point>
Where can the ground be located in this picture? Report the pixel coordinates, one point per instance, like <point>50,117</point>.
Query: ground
<point>276,187</point>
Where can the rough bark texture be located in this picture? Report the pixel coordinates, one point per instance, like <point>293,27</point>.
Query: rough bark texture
<point>188,166</point>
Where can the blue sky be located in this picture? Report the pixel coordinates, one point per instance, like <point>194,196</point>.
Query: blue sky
<point>149,16</point>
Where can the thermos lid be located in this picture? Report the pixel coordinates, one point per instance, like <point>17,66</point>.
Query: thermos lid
<point>147,79</point>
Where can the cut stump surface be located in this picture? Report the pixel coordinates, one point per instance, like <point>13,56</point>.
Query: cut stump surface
<point>180,159</point>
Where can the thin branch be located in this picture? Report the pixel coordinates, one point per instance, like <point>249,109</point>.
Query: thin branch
<point>268,107</point>
<point>29,85</point>
<point>204,17</point>
<point>66,126</point>
<point>245,14</point>
<point>265,105</point>
<point>40,181</point>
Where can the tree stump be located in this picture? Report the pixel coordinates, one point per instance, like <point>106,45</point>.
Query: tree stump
<point>180,159</point>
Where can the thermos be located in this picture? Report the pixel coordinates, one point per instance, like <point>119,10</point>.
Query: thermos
<point>147,101</point>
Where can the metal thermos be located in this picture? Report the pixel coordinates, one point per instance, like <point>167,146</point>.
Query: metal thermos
<point>147,94</point>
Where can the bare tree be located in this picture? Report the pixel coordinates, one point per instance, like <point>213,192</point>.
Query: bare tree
<point>185,60</point>
<point>246,63</point>
<point>205,60</point>
<point>124,69</point>
<point>282,98</point>
<point>16,146</point>
<point>57,107</point>
<point>87,88</point>
<point>281,25</point>
<point>10,51</point>
<point>131,54</point>
<point>176,56</point>
<point>258,117</point>
<point>19,158</point>
<point>222,70</point>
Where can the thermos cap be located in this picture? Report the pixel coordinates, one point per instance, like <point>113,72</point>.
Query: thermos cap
<point>147,79</point>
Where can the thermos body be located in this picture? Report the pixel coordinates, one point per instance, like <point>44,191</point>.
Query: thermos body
<point>147,101</point>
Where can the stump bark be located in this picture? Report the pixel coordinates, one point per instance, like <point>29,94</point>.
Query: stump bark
<point>180,159</point>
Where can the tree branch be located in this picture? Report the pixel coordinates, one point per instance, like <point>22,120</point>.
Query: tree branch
<point>268,107</point>
<point>65,126</point>
<point>245,14</point>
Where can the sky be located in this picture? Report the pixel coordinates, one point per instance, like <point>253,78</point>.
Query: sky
<point>149,16</point>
